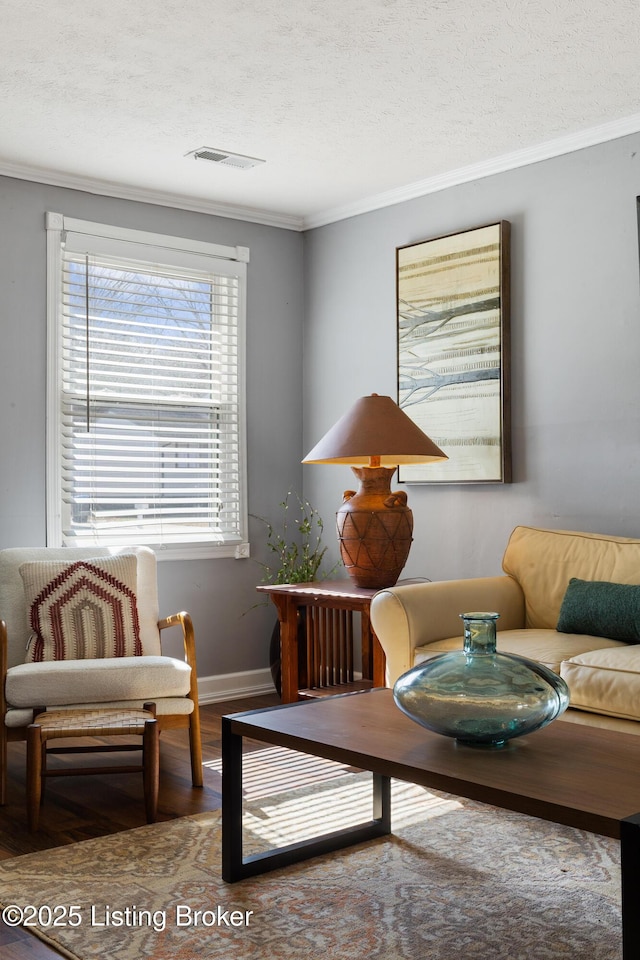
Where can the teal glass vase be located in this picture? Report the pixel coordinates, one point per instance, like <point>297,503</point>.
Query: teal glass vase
<point>479,696</point>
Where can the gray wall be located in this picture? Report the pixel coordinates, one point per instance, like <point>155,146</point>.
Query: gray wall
<point>575,351</point>
<point>576,390</point>
<point>216,592</point>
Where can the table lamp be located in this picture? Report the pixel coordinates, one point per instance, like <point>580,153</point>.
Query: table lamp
<point>375,526</point>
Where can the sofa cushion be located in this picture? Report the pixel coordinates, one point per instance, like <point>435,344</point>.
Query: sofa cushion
<point>84,609</point>
<point>545,646</point>
<point>543,562</point>
<point>601,608</point>
<point>63,682</point>
<point>605,681</point>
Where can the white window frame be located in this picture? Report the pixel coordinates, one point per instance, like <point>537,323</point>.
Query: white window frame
<point>57,225</point>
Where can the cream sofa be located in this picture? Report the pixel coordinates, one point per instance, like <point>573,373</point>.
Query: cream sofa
<point>417,621</point>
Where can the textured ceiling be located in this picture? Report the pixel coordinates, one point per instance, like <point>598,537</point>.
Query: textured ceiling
<point>344,99</point>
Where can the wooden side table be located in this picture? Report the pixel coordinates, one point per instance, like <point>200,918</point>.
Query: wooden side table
<point>328,638</point>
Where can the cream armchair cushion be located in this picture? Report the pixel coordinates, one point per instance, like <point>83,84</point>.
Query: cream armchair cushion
<point>85,681</point>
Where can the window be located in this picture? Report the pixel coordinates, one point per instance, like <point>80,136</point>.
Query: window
<point>146,391</point>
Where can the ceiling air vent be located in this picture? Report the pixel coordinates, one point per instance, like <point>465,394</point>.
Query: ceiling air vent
<point>225,158</point>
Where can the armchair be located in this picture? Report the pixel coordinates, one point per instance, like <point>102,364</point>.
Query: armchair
<point>80,628</point>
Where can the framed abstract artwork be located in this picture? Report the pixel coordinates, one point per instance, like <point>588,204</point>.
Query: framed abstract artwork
<point>453,352</point>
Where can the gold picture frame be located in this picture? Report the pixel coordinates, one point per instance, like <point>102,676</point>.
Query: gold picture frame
<point>453,314</point>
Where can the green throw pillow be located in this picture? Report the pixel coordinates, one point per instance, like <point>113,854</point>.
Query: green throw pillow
<point>601,609</point>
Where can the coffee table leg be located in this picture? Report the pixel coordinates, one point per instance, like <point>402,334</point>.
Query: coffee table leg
<point>236,867</point>
<point>630,863</point>
<point>231,804</point>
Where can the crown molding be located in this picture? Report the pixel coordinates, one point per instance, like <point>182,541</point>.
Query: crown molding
<point>568,143</point>
<point>476,171</point>
<point>107,188</point>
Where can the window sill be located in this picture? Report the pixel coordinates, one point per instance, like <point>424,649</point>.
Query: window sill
<point>201,551</point>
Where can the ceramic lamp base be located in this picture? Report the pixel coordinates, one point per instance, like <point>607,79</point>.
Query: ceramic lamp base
<point>375,529</point>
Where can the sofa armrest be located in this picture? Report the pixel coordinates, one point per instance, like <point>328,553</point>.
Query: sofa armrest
<point>406,617</point>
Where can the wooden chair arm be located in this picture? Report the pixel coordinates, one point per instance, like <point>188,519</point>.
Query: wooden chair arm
<point>184,621</point>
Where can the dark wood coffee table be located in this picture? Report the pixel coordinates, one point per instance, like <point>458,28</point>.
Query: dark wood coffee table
<point>567,773</point>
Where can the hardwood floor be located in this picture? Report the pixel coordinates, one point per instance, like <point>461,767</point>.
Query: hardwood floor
<point>78,808</point>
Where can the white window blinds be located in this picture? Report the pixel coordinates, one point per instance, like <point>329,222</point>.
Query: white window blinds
<point>150,438</point>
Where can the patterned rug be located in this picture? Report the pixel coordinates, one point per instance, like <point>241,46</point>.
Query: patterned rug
<point>455,880</point>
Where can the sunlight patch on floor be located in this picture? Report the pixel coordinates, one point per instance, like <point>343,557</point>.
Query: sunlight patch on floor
<point>276,769</point>
<point>300,816</point>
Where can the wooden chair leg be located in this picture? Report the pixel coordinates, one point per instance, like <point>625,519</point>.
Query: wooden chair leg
<point>151,768</point>
<point>43,770</point>
<point>34,774</point>
<point>195,747</point>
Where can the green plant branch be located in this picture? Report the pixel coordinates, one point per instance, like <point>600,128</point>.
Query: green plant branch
<point>296,545</point>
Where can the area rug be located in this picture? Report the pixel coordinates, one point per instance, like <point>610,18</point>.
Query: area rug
<point>457,880</point>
